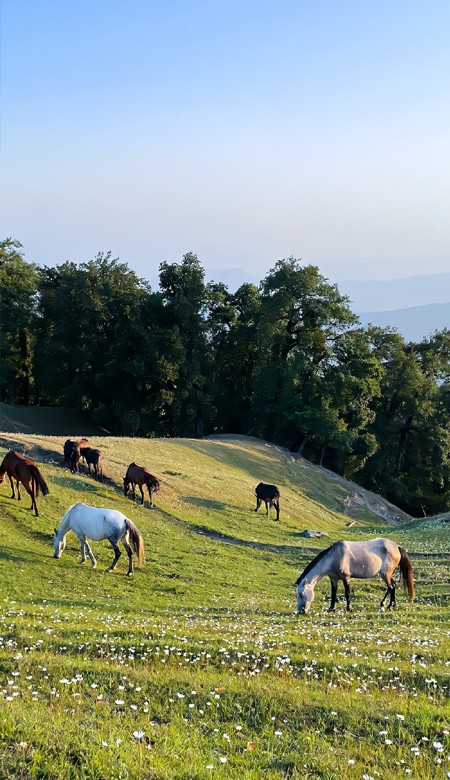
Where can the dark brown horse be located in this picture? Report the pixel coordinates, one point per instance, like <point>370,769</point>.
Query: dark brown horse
<point>140,475</point>
<point>93,458</point>
<point>72,454</point>
<point>25,471</point>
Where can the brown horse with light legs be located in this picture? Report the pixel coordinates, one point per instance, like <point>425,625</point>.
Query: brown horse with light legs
<point>140,475</point>
<point>344,560</point>
<point>25,471</point>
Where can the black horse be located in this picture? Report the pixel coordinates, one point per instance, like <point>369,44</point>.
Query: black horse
<point>271,497</point>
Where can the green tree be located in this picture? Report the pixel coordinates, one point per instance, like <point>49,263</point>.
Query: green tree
<point>412,425</point>
<point>186,398</point>
<point>232,326</point>
<point>18,297</point>
<point>89,331</point>
<point>302,316</point>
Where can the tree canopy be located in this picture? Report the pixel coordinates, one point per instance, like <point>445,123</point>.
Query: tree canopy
<point>286,360</point>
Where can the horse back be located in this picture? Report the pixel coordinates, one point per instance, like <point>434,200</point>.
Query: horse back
<point>16,464</point>
<point>97,523</point>
<point>267,492</point>
<point>136,473</point>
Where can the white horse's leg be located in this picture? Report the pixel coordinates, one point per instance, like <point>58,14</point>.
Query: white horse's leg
<point>130,556</point>
<point>83,550</point>
<point>90,553</point>
<point>117,554</point>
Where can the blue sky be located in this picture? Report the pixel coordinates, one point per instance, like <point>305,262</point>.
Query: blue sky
<point>242,131</point>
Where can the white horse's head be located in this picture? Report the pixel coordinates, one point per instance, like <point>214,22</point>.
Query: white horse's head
<point>305,596</point>
<point>58,544</point>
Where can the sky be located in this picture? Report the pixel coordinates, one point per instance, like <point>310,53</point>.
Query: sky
<point>244,131</point>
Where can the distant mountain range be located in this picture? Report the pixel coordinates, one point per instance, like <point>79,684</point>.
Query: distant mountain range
<point>415,323</point>
<point>417,306</point>
<point>394,294</point>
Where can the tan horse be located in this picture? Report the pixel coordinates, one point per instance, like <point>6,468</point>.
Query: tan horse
<point>25,471</point>
<point>362,560</point>
<point>140,475</point>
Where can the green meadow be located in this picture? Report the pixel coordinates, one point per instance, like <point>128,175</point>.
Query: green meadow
<point>198,666</point>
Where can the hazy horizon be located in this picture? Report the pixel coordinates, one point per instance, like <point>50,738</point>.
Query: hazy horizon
<point>245,133</point>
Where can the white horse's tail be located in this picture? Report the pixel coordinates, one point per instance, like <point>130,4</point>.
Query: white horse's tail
<point>136,540</point>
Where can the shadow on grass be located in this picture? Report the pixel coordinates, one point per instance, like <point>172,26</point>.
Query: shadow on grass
<point>206,503</point>
<point>13,555</point>
<point>75,483</point>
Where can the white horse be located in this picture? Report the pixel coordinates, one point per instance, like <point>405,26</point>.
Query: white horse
<point>344,560</point>
<point>99,524</point>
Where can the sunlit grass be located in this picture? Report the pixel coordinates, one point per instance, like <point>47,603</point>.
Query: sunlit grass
<point>198,666</point>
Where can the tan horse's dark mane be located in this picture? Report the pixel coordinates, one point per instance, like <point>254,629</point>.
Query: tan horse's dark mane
<point>316,560</point>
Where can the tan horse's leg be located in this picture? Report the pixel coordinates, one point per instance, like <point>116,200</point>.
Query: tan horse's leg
<point>334,587</point>
<point>388,579</point>
<point>348,593</point>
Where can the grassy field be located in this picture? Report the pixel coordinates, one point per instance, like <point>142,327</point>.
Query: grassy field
<point>198,666</point>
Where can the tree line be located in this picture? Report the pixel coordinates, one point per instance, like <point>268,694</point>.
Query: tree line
<point>286,360</point>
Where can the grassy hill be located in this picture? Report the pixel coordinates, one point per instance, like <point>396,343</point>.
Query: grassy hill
<point>198,666</point>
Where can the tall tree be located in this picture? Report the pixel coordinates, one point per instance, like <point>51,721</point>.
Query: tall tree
<point>302,315</point>
<point>187,398</point>
<point>83,310</point>
<point>18,296</point>
<point>412,426</point>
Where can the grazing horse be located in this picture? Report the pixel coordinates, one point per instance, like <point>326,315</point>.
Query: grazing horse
<point>140,475</point>
<point>72,454</point>
<point>93,458</point>
<point>23,470</point>
<point>344,560</point>
<point>99,524</point>
<point>271,497</point>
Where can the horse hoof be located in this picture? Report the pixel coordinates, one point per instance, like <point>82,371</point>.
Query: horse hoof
<point>381,608</point>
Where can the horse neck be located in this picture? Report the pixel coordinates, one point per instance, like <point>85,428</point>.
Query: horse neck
<point>318,571</point>
<point>64,528</point>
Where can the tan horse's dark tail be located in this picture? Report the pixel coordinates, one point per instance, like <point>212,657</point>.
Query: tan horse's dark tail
<point>137,541</point>
<point>406,572</point>
<point>38,481</point>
